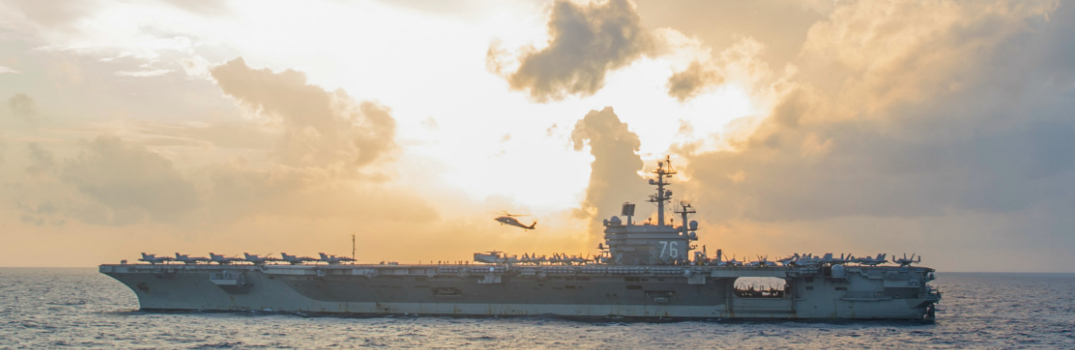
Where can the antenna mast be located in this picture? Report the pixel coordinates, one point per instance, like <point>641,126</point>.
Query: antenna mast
<point>664,169</point>
<point>685,210</point>
<point>352,246</point>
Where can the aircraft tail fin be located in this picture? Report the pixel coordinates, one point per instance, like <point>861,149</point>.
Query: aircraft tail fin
<point>323,256</point>
<point>531,227</point>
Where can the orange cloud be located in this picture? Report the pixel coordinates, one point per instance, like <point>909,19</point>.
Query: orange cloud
<point>614,172</point>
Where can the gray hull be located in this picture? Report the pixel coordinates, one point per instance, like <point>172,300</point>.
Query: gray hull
<point>513,290</point>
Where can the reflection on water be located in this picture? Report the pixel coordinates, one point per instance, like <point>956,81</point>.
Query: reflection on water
<point>80,308</point>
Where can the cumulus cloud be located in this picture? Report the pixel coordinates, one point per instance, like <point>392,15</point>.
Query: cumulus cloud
<point>929,110</point>
<point>320,127</point>
<point>586,41</point>
<point>328,162</point>
<point>614,172</point>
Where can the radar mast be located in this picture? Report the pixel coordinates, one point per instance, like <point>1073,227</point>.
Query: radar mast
<point>664,170</point>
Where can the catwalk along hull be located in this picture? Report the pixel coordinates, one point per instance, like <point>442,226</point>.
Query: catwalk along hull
<point>855,292</point>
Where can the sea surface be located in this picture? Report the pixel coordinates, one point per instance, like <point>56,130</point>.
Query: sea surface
<point>80,308</point>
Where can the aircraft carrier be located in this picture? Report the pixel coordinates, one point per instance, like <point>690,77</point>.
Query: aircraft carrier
<point>644,271</point>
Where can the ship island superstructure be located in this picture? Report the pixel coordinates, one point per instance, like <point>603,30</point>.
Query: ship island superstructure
<point>648,270</point>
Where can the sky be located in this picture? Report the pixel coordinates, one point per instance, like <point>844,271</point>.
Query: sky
<point>939,128</point>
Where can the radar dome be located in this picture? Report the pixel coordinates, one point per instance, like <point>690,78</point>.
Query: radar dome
<point>838,271</point>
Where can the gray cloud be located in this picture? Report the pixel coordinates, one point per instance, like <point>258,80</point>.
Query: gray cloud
<point>614,172</point>
<point>328,159</point>
<point>739,62</point>
<point>586,41</point>
<point>690,82</point>
<point>970,116</point>
<point>321,127</point>
<point>22,105</point>
<point>41,160</point>
<point>130,181</point>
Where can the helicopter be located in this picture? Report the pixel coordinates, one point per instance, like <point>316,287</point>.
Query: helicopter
<point>509,219</point>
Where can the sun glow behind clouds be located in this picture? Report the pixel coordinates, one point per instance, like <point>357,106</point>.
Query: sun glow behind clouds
<point>488,141</point>
<point>467,143</point>
<point>497,148</point>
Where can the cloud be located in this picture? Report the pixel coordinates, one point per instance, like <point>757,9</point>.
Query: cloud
<point>41,160</point>
<point>614,172</point>
<point>4,70</point>
<point>129,180</point>
<point>61,14</point>
<point>938,111</point>
<point>240,190</point>
<point>144,73</point>
<point>688,83</point>
<point>22,105</point>
<point>331,159</point>
<point>869,145</point>
<point>321,155</point>
<point>320,127</point>
<point>202,7</point>
<point>585,42</point>
<point>739,63</point>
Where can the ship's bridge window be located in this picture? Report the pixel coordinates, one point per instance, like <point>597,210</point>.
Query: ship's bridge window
<point>761,287</point>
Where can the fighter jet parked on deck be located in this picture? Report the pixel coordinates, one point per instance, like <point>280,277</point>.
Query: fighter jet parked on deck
<point>295,260</point>
<point>257,260</point>
<point>153,259</point>
<point>868,261</point>
<point>334,260</point>
<point>807,260</point>
<point>533,259</point>
<point>495,257</point>
<point>189,260</point>
<point>904,261</point>
<point>763,261</point>
<point>731,262</point>
<point>222,260</point>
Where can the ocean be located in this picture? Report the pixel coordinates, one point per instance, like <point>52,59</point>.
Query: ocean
<point>78,308</point>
